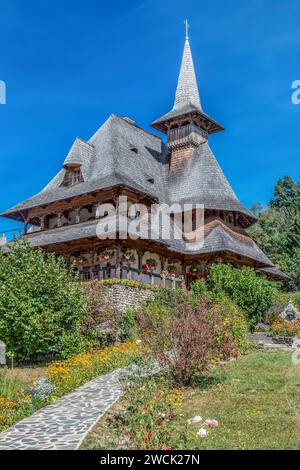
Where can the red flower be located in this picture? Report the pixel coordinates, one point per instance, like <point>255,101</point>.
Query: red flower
<point>149,435</point>
<point>158,421</point>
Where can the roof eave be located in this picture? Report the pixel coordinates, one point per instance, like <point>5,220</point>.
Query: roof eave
<point>162,123</point>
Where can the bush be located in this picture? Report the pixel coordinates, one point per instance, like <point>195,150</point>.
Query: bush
<point>101,322</point>
<point>253,293</point>
<point>281,327</point>
<point>169,297</point>
<point>199,288</point>
<point>40,301</point>
<point>187,339</point>
<point>128,325</point>
<point>233,320</point>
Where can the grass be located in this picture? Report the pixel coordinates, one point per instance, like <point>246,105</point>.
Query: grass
<point>12,380</point>
<point>256,400</point>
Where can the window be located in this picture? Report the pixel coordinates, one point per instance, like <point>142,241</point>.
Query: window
<point>73,176</point>
<point>134,150</point>
<point>150,180</point>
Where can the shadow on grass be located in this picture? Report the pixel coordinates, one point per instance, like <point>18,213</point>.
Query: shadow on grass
<point>208,381</point>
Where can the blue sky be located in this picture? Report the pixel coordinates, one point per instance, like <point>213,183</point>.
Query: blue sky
<point>69,65</point>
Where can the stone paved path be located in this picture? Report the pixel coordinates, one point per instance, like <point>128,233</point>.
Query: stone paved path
<point>64,425</point>
<point>264,341</point>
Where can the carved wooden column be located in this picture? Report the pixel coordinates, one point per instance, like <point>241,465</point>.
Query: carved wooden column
<point>26,226</point>
<point>140,254</point>
<point>59,221</point>
<point>163,265</point>
<point>42,222</point>
<point>118,260</point>
<point>77,217</point>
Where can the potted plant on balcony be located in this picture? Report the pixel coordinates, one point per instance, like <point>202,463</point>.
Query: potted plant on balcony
<point>171,270</point>
<point>83,261</point>
<point>128,257</point>
<point>194,269</point>
<point>150,265</point>
<point>107,255</point>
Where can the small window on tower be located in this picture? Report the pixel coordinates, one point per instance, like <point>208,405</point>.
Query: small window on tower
<point>150,180</point>
<point>134,150</point>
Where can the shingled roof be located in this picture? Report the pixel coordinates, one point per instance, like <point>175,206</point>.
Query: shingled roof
<point>122,153</point>
<point>187,98</point>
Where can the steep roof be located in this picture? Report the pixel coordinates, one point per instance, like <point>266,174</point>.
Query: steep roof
<point>107,160</point>
<point>202,181</point>
<point>187,98</point>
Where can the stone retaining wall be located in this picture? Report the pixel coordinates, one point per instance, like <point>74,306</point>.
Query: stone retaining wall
<point>124,297</point>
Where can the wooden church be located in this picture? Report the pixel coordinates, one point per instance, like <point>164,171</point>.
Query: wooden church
<point>123,159</point>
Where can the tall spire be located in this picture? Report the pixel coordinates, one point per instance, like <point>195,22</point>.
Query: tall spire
<point>187,105</point>
<point>187,88</point>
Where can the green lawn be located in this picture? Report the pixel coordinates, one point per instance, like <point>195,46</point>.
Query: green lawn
<point>256,400</point>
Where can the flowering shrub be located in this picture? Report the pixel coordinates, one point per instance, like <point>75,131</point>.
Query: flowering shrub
<point>7,410</point>
<point>70,374</point>
<point>187,339</point>
<point>280,327</point>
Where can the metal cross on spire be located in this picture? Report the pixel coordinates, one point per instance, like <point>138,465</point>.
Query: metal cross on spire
<point>187,26</point>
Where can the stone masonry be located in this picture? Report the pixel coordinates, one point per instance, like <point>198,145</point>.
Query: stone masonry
<point>124,298</point>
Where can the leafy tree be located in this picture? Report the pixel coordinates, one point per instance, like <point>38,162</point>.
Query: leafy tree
<point>41,305</point>
<point>287,194</point>
<point>252,292</point>
<point>277,231</point>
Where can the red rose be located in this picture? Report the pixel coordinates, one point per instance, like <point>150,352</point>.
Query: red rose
<point>158,421</point>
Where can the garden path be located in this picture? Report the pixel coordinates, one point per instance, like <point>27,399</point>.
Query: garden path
<point>64,425</point>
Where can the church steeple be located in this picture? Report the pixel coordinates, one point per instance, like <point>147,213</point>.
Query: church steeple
<point>187,92</point>
<point>187,107</point>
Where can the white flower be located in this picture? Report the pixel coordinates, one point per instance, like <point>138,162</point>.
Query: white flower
<point>196,419</point>
<point>138,341</point>
<point>202,433</point>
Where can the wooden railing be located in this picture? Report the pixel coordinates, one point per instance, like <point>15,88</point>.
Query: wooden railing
<point>110,272</point>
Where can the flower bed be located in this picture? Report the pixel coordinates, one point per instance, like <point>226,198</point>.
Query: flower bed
<point>61,378</point>
<point>67,375</point>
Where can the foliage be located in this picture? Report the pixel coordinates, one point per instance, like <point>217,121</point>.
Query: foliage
<point>151,404</point>
<point>280,304</point>
<point>277,231</point>
<point>280,327</point>
<point>40,301</point>
<point>255,400</point>
<point>101,323</point>
<point>75,371</point>
<point>253,293</point>
<point>20,398</point>
<point>199,288</point>
<point>128,325</point>
<point>169,297</point>
<point>129,283</point>
<point>187,339</point>
<point>233,322</point>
